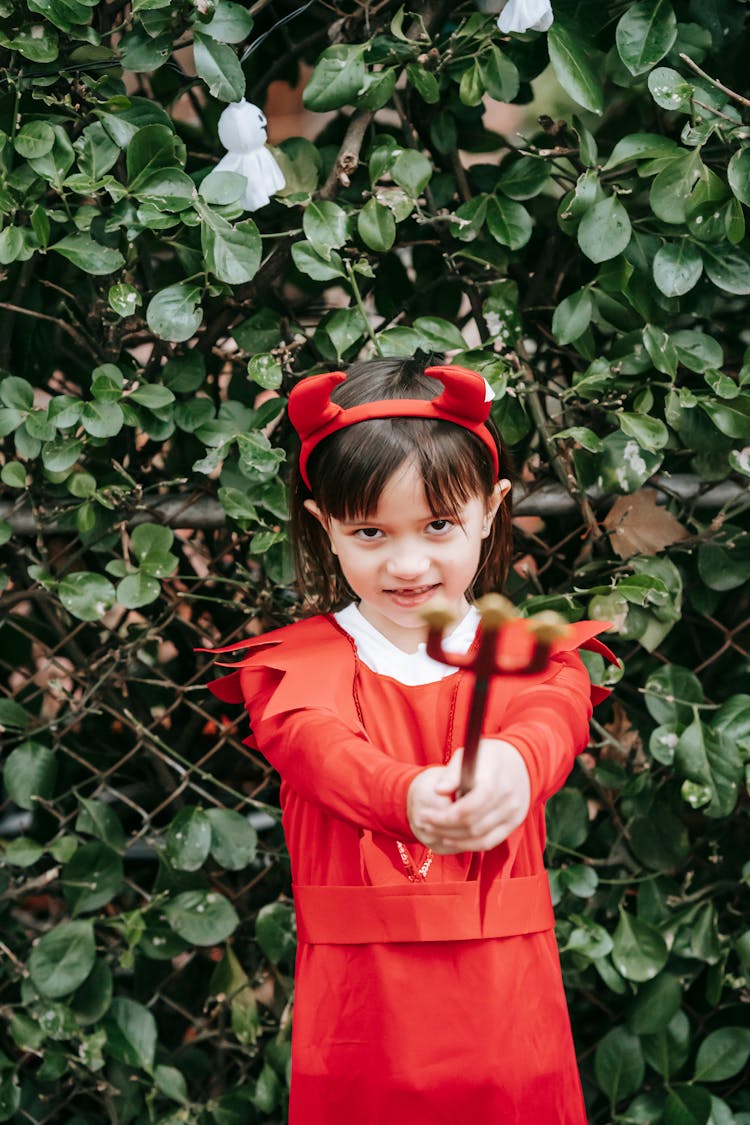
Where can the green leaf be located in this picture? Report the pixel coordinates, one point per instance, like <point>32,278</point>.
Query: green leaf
<point>169,189</point>
<point>232,253</point>
<point>624,465</point>
<point>645,33</point>
<point>378,89</point>
<point>572,316</point>
<point>655,1004</point>
<point>175,313</point>
<point>168,1080</point>
<point>95,818</point>
<point>339,332</point>
<point>265,370</point>
<point>12,714</point>
<point>412,171</point>
<point>230,23</point>
<point>29,774</point>
<point>141,53</point>
<point>523,178</point>
<point>687,1105</point>
<point>35,138</point>
<point>659,841</point>
<point>314,265</point>
<point>219,67</point>
<point>696,350</point>
<point>184,373</point>
<point>338,77</point>
<point>87,596</point>
<point>677,267</point>
<point>671,188</point>
<point>131,1033</point>
<point>21,852</point>
<point>153,396</point>
<point>13,474</point>
<point>102,419</point>
<point>567,818</point>
<point>667,1050</point>
<point>137,590</point>
<point>88,255</point>
<point>202,917</point>
<point>439,334</point>
<point>188,839</point>
<point>275,931</point>
<point>670,694</point>
<point>221,188</point>
<point>618,1064</point>
<point>62,959</point>
<point>704,757</point>
<point>729,270</point>
<point>604,230</point>
<point>424,82</point>
<point>153,147</point>
<point>471,88</point>
<point>325,225</point>
<point>508,222</point>
<point>639,951</point>
<point>124,299</point>
<point>731,418</point>
<point>669,89</point>
<point>376,226</point>
<point>575,68</point>
<point>738,174</point>
<point>650,433</point>
<point>92,878</point>
<point>233,839</point>
<point>722,1054</point>
<point>500,75</point>
<point>60,455</point>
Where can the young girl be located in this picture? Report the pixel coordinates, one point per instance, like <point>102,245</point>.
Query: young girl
<point>428,987</point>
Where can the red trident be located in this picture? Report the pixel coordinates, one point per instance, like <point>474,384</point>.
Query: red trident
<point>508,645</point>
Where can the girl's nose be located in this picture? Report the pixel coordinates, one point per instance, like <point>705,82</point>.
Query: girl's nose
<point>407,563</point>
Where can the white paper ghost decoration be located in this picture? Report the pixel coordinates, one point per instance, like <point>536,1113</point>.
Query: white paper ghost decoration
<point>242,130</point>
<point>526,15</point>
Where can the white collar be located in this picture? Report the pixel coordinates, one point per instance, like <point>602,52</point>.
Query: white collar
<point>387,659</point>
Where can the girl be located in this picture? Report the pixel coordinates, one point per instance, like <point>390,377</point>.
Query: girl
<point>428,987</point>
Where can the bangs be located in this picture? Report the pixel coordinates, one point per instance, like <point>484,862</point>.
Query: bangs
<point>349,470</point>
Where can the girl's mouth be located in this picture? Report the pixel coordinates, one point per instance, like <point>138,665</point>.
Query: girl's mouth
<point>412,595</point>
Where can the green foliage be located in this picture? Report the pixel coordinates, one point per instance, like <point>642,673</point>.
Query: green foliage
<point>594,263</point>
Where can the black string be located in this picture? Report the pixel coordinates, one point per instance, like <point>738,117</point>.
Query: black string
<point>56,70</point>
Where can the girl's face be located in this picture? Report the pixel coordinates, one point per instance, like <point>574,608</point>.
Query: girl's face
<point>404,554</point>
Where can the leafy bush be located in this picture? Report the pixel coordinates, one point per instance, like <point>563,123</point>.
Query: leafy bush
<point>595,266</point>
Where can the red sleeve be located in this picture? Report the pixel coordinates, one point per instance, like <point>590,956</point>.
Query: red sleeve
<point>331,765</point>
<point>549,724</point>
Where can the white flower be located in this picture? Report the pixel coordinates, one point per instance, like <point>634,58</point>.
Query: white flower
<point>526,15</point>
<point>242,130</point>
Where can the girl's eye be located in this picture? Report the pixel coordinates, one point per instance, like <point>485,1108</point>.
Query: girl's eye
<point>440,526</point>
<point>368,533</point>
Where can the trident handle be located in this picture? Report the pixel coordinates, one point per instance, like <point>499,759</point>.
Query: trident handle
<point>496,614</point>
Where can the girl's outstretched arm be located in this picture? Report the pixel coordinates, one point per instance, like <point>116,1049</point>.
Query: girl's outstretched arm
<point>543,729</point>
<point>329,764</point>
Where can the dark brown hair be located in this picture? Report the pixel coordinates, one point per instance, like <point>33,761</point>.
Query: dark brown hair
<point>349,470</point>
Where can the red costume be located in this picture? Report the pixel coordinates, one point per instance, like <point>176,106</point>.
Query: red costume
<point>436,1002</point>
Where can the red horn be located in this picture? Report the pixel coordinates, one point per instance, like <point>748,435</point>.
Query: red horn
<point>463,394</point>
<point>310,407</point>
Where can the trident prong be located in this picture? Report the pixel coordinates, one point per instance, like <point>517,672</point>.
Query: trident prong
<point>498,617</point>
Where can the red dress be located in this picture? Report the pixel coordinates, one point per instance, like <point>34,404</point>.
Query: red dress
<point>416,1003</point>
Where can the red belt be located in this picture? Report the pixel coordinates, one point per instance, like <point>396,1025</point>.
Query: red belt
<point>423,912</point>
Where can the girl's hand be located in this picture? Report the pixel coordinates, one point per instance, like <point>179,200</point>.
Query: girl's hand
<point>483,818</point>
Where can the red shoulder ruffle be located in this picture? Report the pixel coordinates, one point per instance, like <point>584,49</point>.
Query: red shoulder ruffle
<point>313,661</point>
<point>310,661</point>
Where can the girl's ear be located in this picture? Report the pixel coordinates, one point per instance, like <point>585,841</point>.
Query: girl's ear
<point>314,510</point>
<point>500,491</point>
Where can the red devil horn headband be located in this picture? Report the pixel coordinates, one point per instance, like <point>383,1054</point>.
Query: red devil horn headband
<point>462,401</point>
